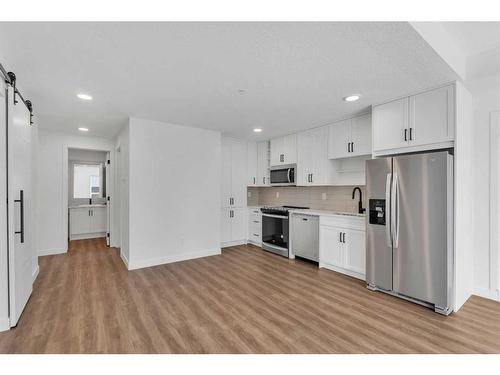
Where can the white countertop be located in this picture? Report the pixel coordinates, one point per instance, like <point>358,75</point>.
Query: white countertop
<point>88,206</point>
<point>327,213</point>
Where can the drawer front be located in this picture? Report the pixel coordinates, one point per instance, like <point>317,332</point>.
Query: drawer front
<point>255,228</point>
<point>342,221</point>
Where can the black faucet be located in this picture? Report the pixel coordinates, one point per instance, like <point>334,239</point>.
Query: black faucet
<point>361,210</point>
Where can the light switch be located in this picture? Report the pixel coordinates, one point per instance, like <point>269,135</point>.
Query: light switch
<point>323,196</point>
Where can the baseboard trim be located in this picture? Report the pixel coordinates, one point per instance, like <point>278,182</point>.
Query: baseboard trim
<point>172,259</point>
<point>487,293</point>
<point>86,236</point>
<point>42,253</point>
<point>124,259</point>
<point>4,324</point>
<point>233,243</point>
<point>35,273</point>
<point>344,271</point>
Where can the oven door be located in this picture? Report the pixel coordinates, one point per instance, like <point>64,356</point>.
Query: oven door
<point>275,234</point>
<point>283,176</point>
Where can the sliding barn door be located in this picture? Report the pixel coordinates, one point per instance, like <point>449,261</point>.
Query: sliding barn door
<point>20,204</point>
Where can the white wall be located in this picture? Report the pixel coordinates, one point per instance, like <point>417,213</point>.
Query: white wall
<point>174,196</point>
<point>486,96</point>
<point>52,190</point>
<point>122,177</point>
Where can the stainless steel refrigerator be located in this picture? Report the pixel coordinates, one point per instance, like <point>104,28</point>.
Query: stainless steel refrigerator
<point>409,236</point>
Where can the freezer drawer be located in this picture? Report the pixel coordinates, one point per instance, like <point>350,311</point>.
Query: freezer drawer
<point>305,236</point>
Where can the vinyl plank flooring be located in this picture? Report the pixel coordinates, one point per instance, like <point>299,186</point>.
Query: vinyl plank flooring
<point>243,301</point>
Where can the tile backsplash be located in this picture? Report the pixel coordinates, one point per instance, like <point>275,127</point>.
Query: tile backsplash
<point>335,198</point>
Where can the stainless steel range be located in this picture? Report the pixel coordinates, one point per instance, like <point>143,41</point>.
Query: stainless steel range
<point>275,229</point>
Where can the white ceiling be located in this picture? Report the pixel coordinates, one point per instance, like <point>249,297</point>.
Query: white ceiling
<point>474,37</point>
<point>295,74</point>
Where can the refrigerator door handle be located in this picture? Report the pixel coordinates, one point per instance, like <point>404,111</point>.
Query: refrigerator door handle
<point>388,223</point>
<point>395,209</point>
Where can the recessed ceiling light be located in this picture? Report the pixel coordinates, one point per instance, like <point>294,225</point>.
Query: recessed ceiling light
<point>351,98</point>
<point>84,96</point>
<point>257,130</point>
<point>83,129</point>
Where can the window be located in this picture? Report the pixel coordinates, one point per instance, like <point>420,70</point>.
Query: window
<point>86,181</point>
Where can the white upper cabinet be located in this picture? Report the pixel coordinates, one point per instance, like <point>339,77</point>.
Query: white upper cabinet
<point>420,122</point>
<point>361,135</point>
<point>432,117</point>
<point>313,166</point>
<point>350,137</point>
<point>263,163</point>
<point>234,173</point>
<point>284,150</point>
<point>390,125</point>
<point>252,179</point>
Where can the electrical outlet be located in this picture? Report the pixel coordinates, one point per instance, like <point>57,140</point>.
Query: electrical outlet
<point>277,194</point>
<point>323,196</point>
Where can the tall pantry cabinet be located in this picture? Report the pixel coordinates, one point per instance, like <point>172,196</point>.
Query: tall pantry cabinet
<point>233,192</point>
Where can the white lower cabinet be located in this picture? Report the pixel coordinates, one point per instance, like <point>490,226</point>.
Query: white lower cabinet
<point>342,245</point>
<point>87,222</point>
<point>255,226</point>
<point>233,226</point>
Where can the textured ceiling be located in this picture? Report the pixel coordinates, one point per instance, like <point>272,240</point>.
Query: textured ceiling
<point>294,74</point>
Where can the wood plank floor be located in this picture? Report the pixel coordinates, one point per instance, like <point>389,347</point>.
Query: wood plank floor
<point>243,301</point>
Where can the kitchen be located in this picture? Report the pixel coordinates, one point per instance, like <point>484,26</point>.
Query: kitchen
<point>256,192</point>
<point>302,196</point>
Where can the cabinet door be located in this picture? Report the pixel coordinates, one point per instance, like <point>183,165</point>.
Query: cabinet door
<point>330,247</point>
<point>355,251</point>
<point>226,172</point>
<point>290,149</point>
<point>338,139</point>
<point>319,157</point>
<point>79,220</point>
<point>252,164</point>
<point>98,220</point>
<point>263,163</point>
<point>361,135</point>
<point>239,173</point>
<point>225,225</point>
<point>390,121</point>
<point>277,149</point>
<point>239,224</point>
<point>432,117</point>
<point>305,148</point>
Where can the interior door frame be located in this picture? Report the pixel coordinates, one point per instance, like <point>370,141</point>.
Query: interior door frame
<point>110,187</point>
<point>494,248</point>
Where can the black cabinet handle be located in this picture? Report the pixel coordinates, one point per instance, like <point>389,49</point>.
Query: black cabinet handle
<point>340,237</point>
<point>264,180</point>
<point>21,204</point>
<point>411,137</point>
<point>406,135</point>
<point>352,146</point>
<point>254,180</point>
<point>348,147</point>
<point>311,177</point>
<point>343,237</point>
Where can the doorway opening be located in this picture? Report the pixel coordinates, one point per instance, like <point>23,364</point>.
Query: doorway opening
<point>88,194</point>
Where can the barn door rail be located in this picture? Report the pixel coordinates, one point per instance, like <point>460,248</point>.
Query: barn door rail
<point>10,78</point>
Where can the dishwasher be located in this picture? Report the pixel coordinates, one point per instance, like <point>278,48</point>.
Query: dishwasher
<point>305,236</point>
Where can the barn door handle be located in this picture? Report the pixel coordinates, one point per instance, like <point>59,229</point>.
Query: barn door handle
<point>21,202</point>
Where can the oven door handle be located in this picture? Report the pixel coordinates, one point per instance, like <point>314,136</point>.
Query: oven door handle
<point>276,216</point>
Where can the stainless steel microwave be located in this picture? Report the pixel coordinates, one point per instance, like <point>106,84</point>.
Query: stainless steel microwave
<point>283,175</point>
